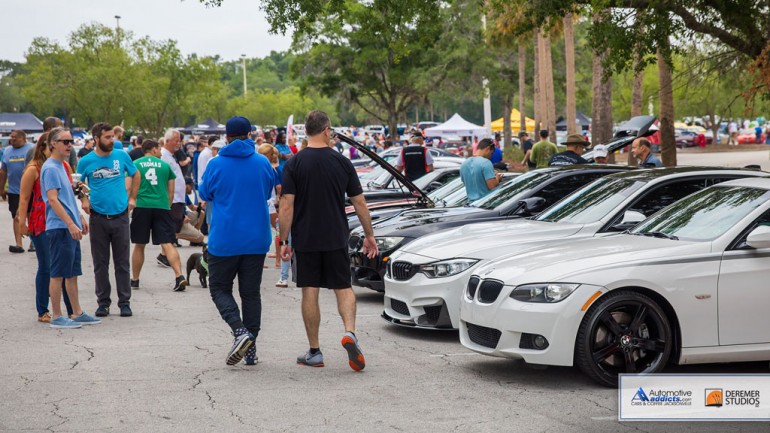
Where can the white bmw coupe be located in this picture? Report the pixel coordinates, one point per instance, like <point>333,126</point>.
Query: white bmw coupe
<point>691,284</point>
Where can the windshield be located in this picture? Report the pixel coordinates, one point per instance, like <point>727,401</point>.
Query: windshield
<point>592,202</point>
<point>512,191</point>
<point>439,194</point>
<point>706,214</point>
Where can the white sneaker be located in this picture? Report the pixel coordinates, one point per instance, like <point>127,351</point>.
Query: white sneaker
<point>282,283</point>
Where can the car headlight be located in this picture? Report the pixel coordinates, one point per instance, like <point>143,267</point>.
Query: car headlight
<point>388,243</point>
<point>447,268</point>
<point>545,292</point>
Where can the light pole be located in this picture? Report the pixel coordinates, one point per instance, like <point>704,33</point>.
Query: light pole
<point>117,19</point>
<point>245,89</point>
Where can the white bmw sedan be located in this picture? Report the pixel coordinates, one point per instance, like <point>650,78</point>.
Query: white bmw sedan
<point>688,285</point>
<point>426,278</point>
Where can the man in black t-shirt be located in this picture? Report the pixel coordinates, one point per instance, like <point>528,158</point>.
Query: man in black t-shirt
<point>312,209</point>
<point>576,145</point>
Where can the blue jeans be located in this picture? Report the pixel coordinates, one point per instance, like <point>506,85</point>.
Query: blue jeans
<point>285,266</point>
<point>43,276</point>
<point>222,273</point>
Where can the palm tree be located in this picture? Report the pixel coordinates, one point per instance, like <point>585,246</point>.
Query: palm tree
<point>601,122</point>
<point>522,83</point>
<point>666,96</point>
<point>569,55</point>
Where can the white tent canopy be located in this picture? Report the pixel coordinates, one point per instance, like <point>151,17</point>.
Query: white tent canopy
<point>457,126</point>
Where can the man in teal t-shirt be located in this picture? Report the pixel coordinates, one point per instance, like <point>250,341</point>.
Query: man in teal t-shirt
<point>110,175</point>
<point>153,213</point>
<point>477,172</point>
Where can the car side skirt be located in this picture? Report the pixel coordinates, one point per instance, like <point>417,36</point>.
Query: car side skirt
<point>734,353</point>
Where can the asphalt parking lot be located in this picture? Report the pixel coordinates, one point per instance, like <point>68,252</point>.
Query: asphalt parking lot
<point>164,370</point>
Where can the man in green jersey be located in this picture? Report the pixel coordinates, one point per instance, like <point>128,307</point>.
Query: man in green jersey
<point>543,150</point>
<point>153,213</point>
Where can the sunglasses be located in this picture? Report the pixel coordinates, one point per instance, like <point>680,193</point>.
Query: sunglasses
<point>67,142</point>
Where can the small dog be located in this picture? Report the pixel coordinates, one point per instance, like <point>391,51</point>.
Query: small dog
<point>194,262</point>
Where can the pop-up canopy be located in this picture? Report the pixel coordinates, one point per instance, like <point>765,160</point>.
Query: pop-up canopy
<point>498,124</point>
<point>27,122</point>
<point>208,126</point>
<point>456,126</point>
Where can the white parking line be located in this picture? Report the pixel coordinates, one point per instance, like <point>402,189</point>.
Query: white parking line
<point>605,418</point>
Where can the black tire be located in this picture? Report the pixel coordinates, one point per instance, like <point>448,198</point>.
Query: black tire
<point>623,332</point>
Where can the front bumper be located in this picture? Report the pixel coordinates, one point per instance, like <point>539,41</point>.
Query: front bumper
<point>425,302</point>
<point>368,272</point>
<point>505,327</point>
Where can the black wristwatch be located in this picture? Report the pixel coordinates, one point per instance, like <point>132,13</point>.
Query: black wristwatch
<point>284,243</point>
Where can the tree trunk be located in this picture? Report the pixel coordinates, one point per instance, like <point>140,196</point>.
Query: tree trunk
<point>601,122</point>
<point>569,55</point>
<point>537,90</point>
<point>522,84</point>
<point>636,101</point>
<point>550,99</point>
<point>666,96</point>
<point>507,107</point>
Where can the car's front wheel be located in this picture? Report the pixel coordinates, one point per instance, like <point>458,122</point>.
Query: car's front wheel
<point>623,332</point>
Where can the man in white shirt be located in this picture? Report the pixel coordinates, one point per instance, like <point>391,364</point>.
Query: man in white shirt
<point>204,158</point>
<point>172,143</point>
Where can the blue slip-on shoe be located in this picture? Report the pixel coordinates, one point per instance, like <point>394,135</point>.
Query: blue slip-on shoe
<point>85,319</point>
<point>312,360</point>
<point>241,345</point>
<point>355,357</point>
<point>62,322</point>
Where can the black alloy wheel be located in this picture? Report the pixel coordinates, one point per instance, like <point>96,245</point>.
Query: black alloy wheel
<point>623,332</point>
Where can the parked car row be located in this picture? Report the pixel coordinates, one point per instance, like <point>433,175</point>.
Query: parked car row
<point>610,269</point>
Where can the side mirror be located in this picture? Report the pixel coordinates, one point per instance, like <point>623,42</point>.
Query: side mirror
<point>530,206</point>
<point>759,237</point>
<point>630,219</point>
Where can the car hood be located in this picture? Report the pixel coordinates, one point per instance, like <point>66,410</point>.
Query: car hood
<point>568,260</point>
<point>485,240</point>
<point>421,217</point>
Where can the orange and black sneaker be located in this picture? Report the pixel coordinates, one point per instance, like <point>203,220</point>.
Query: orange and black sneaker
<point>355,357</point>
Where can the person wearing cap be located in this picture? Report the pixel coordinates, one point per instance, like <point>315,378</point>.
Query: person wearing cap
<point>415,160</point>
<point>576,145</point>
<point>600,154</point>
<point>237,184</point>
<point>641,149</point>
<point>478,173</point>
<point>542,151</point>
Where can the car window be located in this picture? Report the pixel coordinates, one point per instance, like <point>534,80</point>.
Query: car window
<point>565,185</point>
<point>592,202</point>
<point>740,242</point>
<point>705,215</point>
<point>511,191</point>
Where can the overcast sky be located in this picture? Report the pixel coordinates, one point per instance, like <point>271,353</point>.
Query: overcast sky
<point>237,27</point>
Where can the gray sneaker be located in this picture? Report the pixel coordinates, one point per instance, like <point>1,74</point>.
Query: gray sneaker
<point>355,357</point>
<point>85,319</point>
<point>241,345</point>
<point>316,360</point>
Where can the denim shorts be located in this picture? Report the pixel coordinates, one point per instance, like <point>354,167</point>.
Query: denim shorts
<point>65,254</point>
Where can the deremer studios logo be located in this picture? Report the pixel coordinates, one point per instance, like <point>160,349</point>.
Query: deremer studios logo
<point>718,397</point>
<point>662,397</point>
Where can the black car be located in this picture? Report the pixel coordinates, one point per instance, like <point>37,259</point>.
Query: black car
<point>387,187</point>
<point>524,196</point>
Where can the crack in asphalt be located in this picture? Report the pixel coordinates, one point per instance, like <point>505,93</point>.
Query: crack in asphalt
<point>55,412</point>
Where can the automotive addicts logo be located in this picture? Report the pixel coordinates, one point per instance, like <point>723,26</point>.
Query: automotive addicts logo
<point>662,397</point>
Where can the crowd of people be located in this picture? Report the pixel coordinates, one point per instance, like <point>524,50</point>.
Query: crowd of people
<point>154,190</point>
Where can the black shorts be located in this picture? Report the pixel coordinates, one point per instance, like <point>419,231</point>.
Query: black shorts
<point>330,269</point>
<point>158,221</point>
<point>13,204</point>
<point>177,216</point>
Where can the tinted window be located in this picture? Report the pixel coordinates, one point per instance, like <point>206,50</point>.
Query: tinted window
<point>565,185</point>
<point>664,195</point>
<point>592,202</point>
<point>512,191</point>
<point>705,215</point>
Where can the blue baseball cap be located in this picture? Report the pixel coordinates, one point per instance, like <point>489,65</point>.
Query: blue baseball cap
<point>238,125</point>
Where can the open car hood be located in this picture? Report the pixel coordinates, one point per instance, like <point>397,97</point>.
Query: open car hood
<point>422,198</point>
<point>633,128</point>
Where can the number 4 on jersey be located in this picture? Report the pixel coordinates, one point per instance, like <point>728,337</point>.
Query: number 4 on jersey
<point>151,176</point>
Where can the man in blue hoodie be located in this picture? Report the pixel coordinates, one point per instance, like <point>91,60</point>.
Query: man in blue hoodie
<point>238,184</point>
